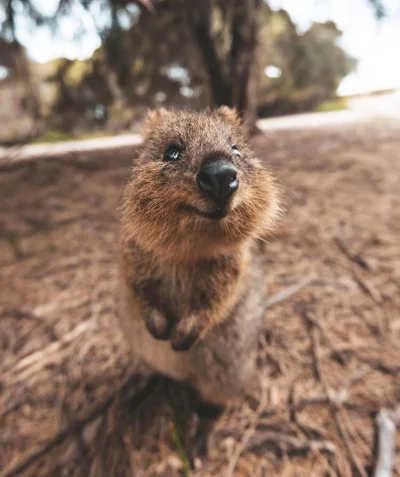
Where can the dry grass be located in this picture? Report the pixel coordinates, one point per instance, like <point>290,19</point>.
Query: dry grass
<point>329,357</point>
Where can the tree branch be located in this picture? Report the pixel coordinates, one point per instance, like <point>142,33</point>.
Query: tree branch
<point>386,444</point>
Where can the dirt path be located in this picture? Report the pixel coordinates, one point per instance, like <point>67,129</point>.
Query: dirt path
<point>360,110</point>
<point>330,355</point>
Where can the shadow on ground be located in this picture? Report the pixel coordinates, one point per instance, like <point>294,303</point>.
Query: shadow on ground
<point>329,357</point>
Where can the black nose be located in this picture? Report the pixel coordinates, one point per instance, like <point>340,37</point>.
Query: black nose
<point>217,180</point>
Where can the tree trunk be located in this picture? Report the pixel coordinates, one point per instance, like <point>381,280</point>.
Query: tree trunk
<point>232,78</point>
<point>245,67</point>
<point>23,73</point>
<point>244,41</point>
<point>199,22</point>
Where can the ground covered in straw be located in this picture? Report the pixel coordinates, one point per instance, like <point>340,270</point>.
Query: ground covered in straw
<point>329,357</point>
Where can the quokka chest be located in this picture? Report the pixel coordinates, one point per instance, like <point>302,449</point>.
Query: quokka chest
<point>188,291</point>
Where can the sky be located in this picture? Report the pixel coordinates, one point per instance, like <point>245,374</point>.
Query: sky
<point>374,43</point>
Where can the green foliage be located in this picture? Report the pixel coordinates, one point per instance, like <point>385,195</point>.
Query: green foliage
<point>58,136</point>
<point>311,64</point>
<point>177,437</point>
<point>336,104</point>
<point>53,136</point>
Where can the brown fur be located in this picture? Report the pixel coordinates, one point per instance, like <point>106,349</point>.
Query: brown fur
<point>188,279</point>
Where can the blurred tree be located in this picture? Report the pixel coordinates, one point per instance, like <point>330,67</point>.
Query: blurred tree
<point>80,93</point>
<point>14,59</point>
<point>147,63</point>
<point>226,34</point>
<point>308,67</point>
<point>147,53</point>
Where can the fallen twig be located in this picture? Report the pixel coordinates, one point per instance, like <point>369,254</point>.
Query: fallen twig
<point>314,329</point>
<point>132,392</point>
<point>334,403</point>
<point>386,444</point>
<point>311,280</point>
<point>296,444</point>
<point>29,458</point>
<point>346,440</point>
<point>367,288</point>
<point>247,435</point>
<point>288,292</point>
<point>39,359</point>
<point>354,257</point>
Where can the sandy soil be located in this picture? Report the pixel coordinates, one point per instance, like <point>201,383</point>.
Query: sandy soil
<point>329,357</point>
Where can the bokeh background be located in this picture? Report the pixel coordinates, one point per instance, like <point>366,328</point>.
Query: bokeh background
<point>77,68</point>
<point>318,84</point>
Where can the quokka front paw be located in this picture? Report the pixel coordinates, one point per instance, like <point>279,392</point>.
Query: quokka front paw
<point>186,333</point>
<point>158,325</point>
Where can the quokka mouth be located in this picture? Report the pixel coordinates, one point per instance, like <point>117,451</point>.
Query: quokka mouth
<point>217,214</point>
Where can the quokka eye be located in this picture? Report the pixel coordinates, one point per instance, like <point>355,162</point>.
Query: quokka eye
<point>172,153</point>
<point>236,151</point>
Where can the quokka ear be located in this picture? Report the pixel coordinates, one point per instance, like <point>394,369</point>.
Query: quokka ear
<point>230,114</point>
<point>153,119</point>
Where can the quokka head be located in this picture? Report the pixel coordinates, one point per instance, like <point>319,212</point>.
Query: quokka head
<point>197,188</point>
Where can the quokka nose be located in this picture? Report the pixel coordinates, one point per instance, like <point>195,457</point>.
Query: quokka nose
<point>218,180</point>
